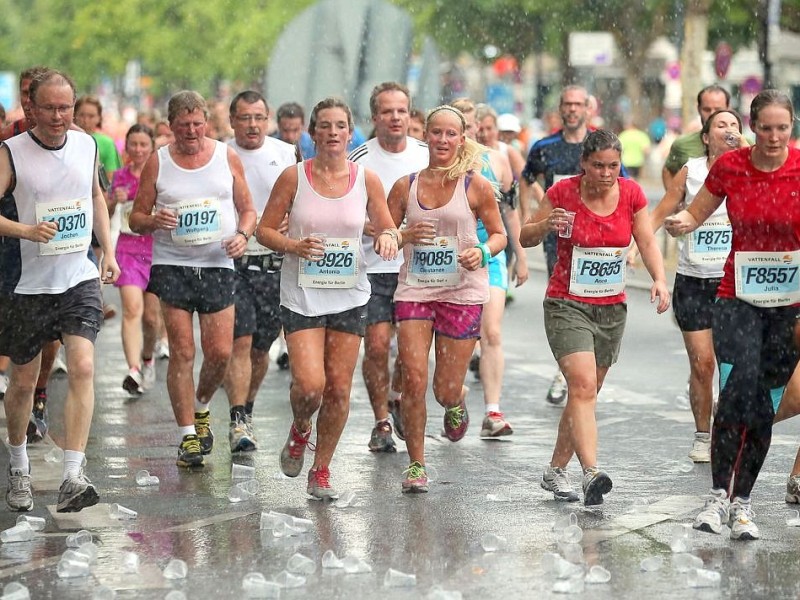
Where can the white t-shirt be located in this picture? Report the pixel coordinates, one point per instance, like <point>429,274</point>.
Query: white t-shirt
<point>389,166</point>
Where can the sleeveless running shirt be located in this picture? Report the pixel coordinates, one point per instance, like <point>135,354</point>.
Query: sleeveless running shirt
<point>455,220</point>
<point>203,198</point>
<point>52,184</point>
<point>323,289</point>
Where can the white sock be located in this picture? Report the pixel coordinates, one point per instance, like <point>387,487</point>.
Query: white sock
<point>184,431</point>
<point>200,407</point>
<point>19,457</point>
<point>492,408</point>
<point>73,461</point>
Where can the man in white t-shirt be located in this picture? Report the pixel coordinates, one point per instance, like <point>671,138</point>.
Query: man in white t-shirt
<point>392,154</point>
<point>258,273</point>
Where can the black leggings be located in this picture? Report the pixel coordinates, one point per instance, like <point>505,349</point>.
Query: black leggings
<point>756,354</point>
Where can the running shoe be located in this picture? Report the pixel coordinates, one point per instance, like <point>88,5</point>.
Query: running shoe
<point>59,365</point>
<point>19,496</point>
<point>596,484</point>
<point>715,513</point>
<point>133,382</point>
<point>319,484</point>
<point>148,374</point>
<point>741,521</point>
<point>556,480</point>
<point>240,435</point>
<point>494,425</point>
<point>3,385</point>
<point>701,447</point>
<point>416,481</point>
<point>109,311</point>
<point>475,366</point>
<point>381,438</point>
<point>283,361</point>
<point>456,422</point>
<point>397,418</point>
<point>161,350</point>
<point>189,452</point>
<point>202,425</point>
<point>293,452</point>
<point>557,393</point>
<point>793,489</point>
<point>37,425</point>
<point>76,493</point>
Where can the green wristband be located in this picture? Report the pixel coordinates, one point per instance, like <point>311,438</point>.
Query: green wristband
<point>485,254</point>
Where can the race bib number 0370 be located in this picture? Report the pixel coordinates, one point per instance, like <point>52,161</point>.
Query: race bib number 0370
<point>74,225</point>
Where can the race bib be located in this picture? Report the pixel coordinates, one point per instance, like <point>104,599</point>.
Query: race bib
<point>199,222</point>
<point>125,227</point>
<point>74,226</point>
<point>710,243</point>
<point>253,247</point>
<point>768,278</point>
<point>338,268</point>
<point>434,265</point>
<point>597,272</point>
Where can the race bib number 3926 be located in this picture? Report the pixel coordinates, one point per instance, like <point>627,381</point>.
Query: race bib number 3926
<point>768,278</point>
<point>338,268</point>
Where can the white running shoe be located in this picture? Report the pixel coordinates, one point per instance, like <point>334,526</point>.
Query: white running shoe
<point>133,382</point>
<point>701,447</point>
<point>715,513</point>
<point>557,481</point>
<point>557,393</point>
<point>148,374</point>
<point>162,350</point>
<point>741,521</point>
<point>3,385</point>
<point>59,365</point>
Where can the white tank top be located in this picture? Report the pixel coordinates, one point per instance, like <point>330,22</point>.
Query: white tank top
<point>62,180</point>
<point>341,218</point>
<point>695,178</point>
<point>206,194</point>
<point>456,219</point>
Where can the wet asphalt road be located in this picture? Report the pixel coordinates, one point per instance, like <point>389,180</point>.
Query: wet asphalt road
<point>644,437</point>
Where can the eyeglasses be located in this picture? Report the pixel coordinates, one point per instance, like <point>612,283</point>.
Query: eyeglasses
<point>62,109</point>
<point>248,118</point>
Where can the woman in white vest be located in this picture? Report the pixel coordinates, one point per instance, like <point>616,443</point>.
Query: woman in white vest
<point>324,286</point>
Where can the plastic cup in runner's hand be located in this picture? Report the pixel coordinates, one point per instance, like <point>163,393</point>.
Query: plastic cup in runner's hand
<point>433,223</point>
<point>565,230</point>
<point>320,238</point>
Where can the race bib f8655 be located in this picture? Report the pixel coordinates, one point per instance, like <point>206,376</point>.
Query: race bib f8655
<point>597,272</point>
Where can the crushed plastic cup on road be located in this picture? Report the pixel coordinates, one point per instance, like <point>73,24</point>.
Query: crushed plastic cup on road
<point>398,579</point>
<point>346,499</point>
<point>703,578</point>
<point>571,535</point>
<point>572,552</point>
<point>794,520</point>
<point>304,525</point>
<point>640,505</point>
<point>651,563</point>
<point>21,532</point>
<point>15,591</point>
<point>562,523</point>
<point>300,564</point>
<point>54,455</point>
<point>559,567</point>
<point>331,561</point>
<point>497,498</point>
<point>143,478</point>
<point>122,513</point>
<point>242,471</point>
<point>36,523</point>
<point>255,585</point>
<point>493,543</point>
<point>103,593</point>
<point>72,565</point>
<point>130,562</point>
<point>176,569</point>
<point>597,574</point>
<point>283,530</point>
<point>288,580</point>
<point>684,563</point>
<point>271,519</point>
<point>89,551</point>
<point>77,539</point>
<point>355,565</point>
<point>569,586</point>
<point>681,539</point>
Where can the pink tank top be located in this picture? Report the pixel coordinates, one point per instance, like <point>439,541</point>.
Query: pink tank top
<point>455,219</point>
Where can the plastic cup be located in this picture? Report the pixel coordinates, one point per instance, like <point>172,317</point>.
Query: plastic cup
<point>255,585</point>
<point>77,539</point>
<point>103,593</point>
<point>331,561</point>
<point>176,569</point>
<point>89,551</point>
<point>684,563</point>
<point>346,499</point>
<point>130,562</point>
<point>434,223</point>
<point>562,523</point>
<point>143,478</point>
<point>569,586</point>
<point>72,566</point>
<point>565,231</point>
<point>54,455</point>
<point>572,534</point>
<point>354,565</point>
<point>597,574</point>
<point>321,238</point>
<point>398,579</point>
<point>651,563</point>
<point>16,591</point>
<point>497,498</point>
<point>21,532</point>
<point>300,564</point>
<point>703,578</point>
<point>793,521</point>
<point>283,530</point>
<point>36,523</point>
<point>304,525</point>
<point>242,471</point>
<point>573,553</point>
<point>492,543</point>
<point>681,540</point>
<point>732,139</point>
<point>122,513</point>
<point>287,580</point>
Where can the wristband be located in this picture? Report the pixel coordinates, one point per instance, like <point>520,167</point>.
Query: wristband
<point>485,254</point>
<point>392,233</point>
<point>243,234</point>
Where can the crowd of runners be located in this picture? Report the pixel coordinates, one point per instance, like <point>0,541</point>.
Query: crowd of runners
<point>317,241</point>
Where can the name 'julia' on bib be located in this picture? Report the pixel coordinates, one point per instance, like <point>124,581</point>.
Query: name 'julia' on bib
<point>74,226</point>
<point>768,278</point>
<point>338,268</point>
<point>710,243</point>
<point>199,222</point>
<point>435,265</point>
<point>597,272</point>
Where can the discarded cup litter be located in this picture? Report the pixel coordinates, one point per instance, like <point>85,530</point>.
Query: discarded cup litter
<point>346,499</point>
<point>121,513</point>
<point>559,567</point>
<point>72,565</point>
<point>130,562</point>
<point>242,471</point>
<point>398,579</point>
<point>300,564</point>
<point>597,574</point>
<point>331,561</point>
<point>794,520</point>
<point>255,585</point>
<point>703,578</point>
<point>571,535</point>
<point>572,552</point>
<point>355,565</point>
<point>562,523</point>
<point>492,543</point>
<point>36,523</point>
<point>569,586</point>
<point>651,563</point>
<point>54,455</point>
<point>15,591</point>
<point>143,478</point>
<point>684,563</point>
<point>176,569</point>
<point>104,593</point>
<point>288,581</point>
<point>497,498</point>
<point>88,551</point>
<point>21,532</point>
<point>681,539</point>
<point>77,539</point>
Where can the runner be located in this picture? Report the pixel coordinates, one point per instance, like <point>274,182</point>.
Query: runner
<point>443,282</point>
<point>700,268</point>
<point>584,309</point>
<point>757,305</point>
<point>324,285</point>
